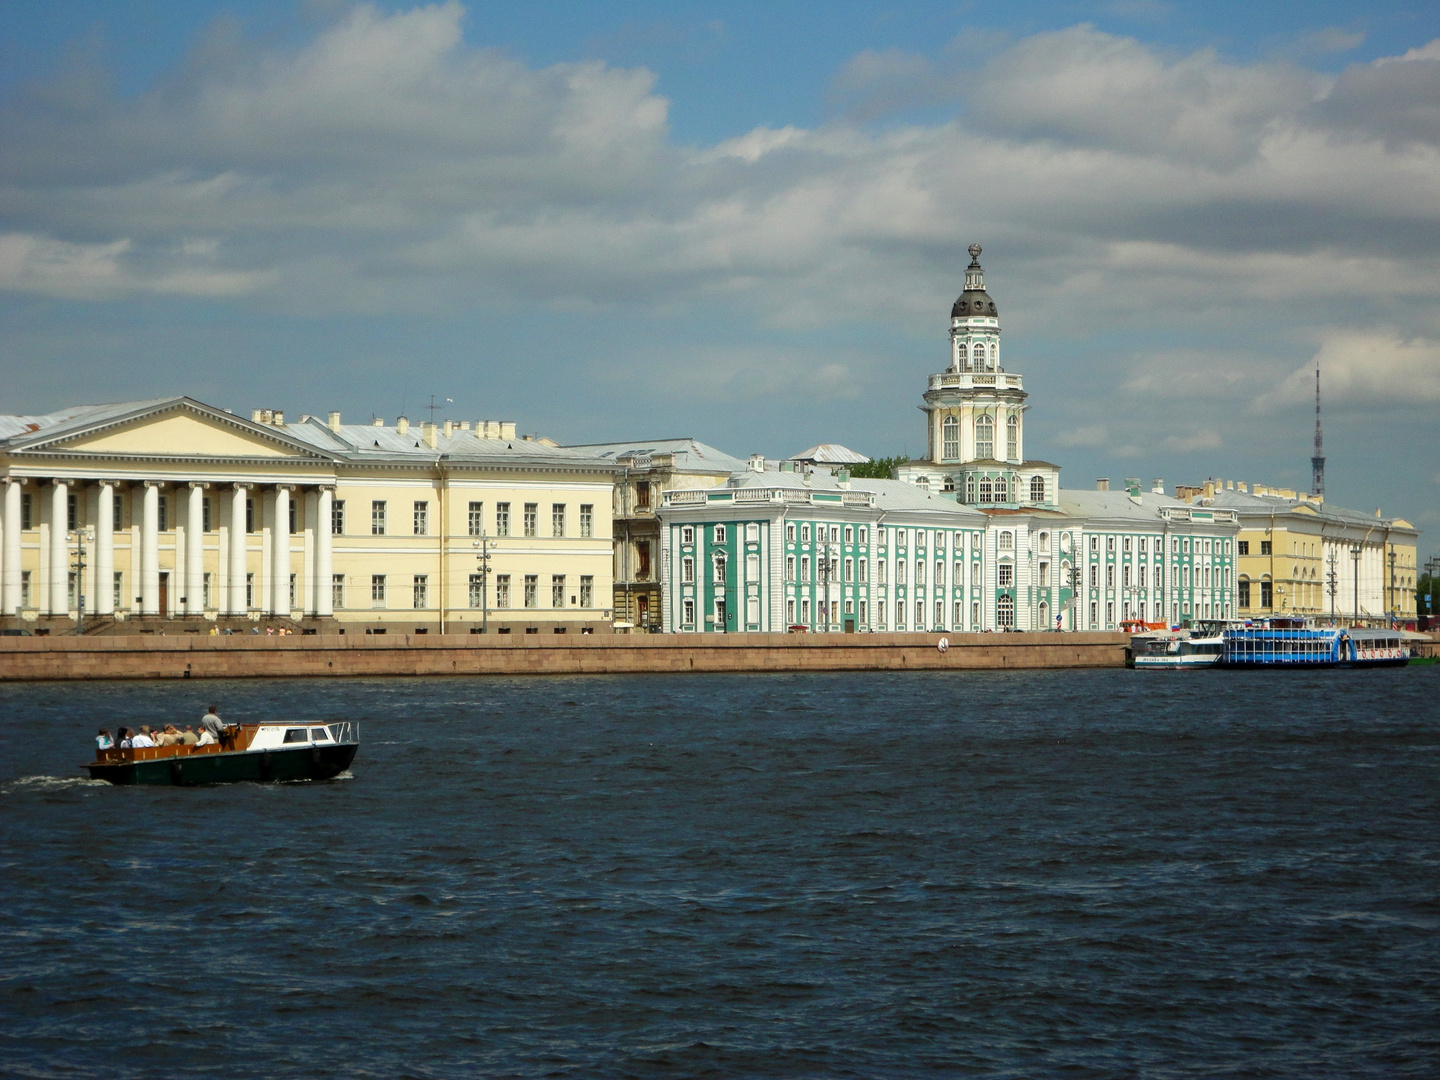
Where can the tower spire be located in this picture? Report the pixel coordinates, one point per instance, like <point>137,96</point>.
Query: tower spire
<point>1317,462</point>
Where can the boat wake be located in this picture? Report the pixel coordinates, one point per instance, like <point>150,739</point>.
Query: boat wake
<point>47,783</point>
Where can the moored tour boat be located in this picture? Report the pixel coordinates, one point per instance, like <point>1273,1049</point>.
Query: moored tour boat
<point>257,752</point>
<point>1294,642</point>
<point>1174,650</point>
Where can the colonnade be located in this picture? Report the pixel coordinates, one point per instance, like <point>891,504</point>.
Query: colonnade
<point>227,539</point>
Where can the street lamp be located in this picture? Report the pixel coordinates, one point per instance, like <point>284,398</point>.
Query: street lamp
<point>1355,553</point>
<point>484,567</point>
<point>82,535</point>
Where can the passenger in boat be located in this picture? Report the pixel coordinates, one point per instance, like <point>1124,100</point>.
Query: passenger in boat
<point>142,738</point>
<point>212,723</point>
<point>103,740</point>
<point>124,736</point>
<point>188,737</point>
<point>169,737</point>
<point>206,739</point>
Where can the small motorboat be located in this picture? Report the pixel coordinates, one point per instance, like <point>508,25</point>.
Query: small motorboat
<point>262,753</point>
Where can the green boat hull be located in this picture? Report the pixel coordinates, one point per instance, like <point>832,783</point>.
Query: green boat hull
<point>256,766</point>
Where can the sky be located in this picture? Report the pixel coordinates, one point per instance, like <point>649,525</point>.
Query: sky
<point>744,222</point>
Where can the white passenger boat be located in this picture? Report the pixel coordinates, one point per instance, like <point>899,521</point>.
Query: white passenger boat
<point>1170,650</point>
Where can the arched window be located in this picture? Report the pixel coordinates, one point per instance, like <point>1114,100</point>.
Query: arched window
<point>952,439</point>
<point>984,437</point>
<point>979,357</point>
<point>986,489</point>
<point>1005,612</point>
<point>1044,616</point>
<point>962,360</point>
<point>1012,437</point>
<point>1002,489</point>
<point>1037,489</point>
<point>970,488</point>
<point>1007,541</point>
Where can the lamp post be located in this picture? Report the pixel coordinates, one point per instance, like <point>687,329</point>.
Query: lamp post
<point>484,567</point>
<point>1390,603</point>
<point>1355,553</point>
<point>1332,581</point>
<point>78,565</point>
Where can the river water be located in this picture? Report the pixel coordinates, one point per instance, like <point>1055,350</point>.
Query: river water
<point>1069,873</point>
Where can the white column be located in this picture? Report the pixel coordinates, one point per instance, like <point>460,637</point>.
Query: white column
<point>194,558</point>
<point>150,551</point>
<point>280,558</point>
<point>59,552</point>
<point>324,555</point>
<point>103,600</point>
<point>237,549</point>
<point>10,568</point>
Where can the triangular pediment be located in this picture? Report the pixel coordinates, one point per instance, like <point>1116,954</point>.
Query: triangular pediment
<point>178,429</point>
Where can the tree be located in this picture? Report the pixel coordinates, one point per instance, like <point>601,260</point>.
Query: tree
<point>879,468</point>
<point>1428,585</point>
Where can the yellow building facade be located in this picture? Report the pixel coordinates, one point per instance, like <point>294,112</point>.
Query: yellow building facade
<point>146,512</point>
<point>1298,555</point>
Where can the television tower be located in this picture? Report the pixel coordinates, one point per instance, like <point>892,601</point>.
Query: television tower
<point>1317,463</point>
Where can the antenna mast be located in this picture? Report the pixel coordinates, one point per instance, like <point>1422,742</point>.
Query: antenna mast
<point>1317,463</point>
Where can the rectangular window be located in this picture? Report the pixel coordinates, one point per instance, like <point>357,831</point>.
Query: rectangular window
<point>790,533</point>
<point>752,567</point>
<point>292,592</point>
<point>805,568</point>
<point>502,519</point>
<point>849,570</point>
<point>804,534</point>
<point>1142,577</point>
<point>164,513</point>
<point>1110,576</point>
<point>1244,594</point>
<point>900,572</point>
<point>70,589</point>
<point>337,517</point>
<point>532,590</point>
<point>502,590</point>
<point>421,519</point>
<point>790,611</point>
<point>1144,545</point>
<point>642,560</point>
<point>532,518</point>
<point>719,534</point>
<point>205,525</point>
<point>1267,595</point>
<point>1127,545</point>
<point>687,534</point>
<point>864,571</point>
<point>849,534</point>
<point>805,612</point>
<point>421,591</point>
<point>864,612</point>
<point>1007,575</point>
<point>687,612</point>
<point>587,591</point>
<point>687,569</point>
<point>24,588</point>
<point>26,511</point>
<point>205,591</point>
<point>1110,614</point>
<point>72,505</point>
<point>249,515</point>
<point>477,590</point>
<point>587,519</point>
<point>377,590</point>
<point>881,572</point>
<point>557,519</point>
<point>294,516</point>
<point>249,590</point>
<point>119,595</point>
<point>1109,543</point>
<point>919,573</point>
<point>1094,575</point>
<point>752,533</point>
<point>864,533</point>
<point>337,591</point>
<point>377,518</point>
<point>557,590</point>
<point>642,495</point>
<point>1094,543</point>
<point>1264,547</point>
<point>118,509</point>
<point>1125,576</point>
<point>789,567</point>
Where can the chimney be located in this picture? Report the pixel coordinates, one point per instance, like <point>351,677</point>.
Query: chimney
<point>464,425</point>
<point>757,462</point>
<point>1132,486</point>
<point>1209,489</point>
<point>507,429</point>
<point>1102,484</point>
<point>279,417</point>
<point>1242,486</point>
<point>379,421</point>
<point>333,421</point>
<point>257,416</point>
<point>402,426</point>
<point>1157,486</point>
<point>427,433</point>
<point>842,477</point>
<point>449,428</point>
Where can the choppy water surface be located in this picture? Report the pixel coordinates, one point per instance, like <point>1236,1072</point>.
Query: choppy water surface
<point>1060,873</point>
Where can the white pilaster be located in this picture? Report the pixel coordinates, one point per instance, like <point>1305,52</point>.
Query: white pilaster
<point>280,558</point>
<point>10,568</point>
<point>150,551</point>
<point>104,591</point>
<point>194,551</point>
<point>237,566</point>
<point>324,555</point>
<point>59,553</point>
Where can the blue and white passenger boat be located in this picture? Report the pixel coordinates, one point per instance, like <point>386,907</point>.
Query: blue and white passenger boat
<point>1174,650</point>
<point>1293,642</point>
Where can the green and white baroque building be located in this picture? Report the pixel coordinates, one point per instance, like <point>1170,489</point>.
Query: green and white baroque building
<point>975,537</point>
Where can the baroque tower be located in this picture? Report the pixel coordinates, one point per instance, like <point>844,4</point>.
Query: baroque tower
<point>975,416</point>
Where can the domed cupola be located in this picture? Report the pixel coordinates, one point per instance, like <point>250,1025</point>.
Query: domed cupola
<point>974,302</point>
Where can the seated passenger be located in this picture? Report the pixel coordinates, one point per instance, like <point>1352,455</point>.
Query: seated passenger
<point>142,738</point>
<point>103,740</point>
<point>170,736</point>
<point>207,738</point>
<point>188,736</point>
<point>125,735</point>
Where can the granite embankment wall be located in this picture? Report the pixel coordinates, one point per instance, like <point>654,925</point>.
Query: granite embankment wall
<point>161,657</point>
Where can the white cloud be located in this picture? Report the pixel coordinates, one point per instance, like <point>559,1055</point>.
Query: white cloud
<point>1367,368</point>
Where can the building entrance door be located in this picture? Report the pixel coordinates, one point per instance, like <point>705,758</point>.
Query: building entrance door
<point>642,616</point>
<point>849,626</point>
<point>720,616</point>
<point>164,593</point>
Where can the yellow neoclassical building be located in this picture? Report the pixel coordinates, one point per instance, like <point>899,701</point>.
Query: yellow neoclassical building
<point>1299,555</point>
<point>153,512</point>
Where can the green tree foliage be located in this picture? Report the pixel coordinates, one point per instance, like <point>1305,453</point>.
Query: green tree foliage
<point>878,468</point>
<point>1427,585</point>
